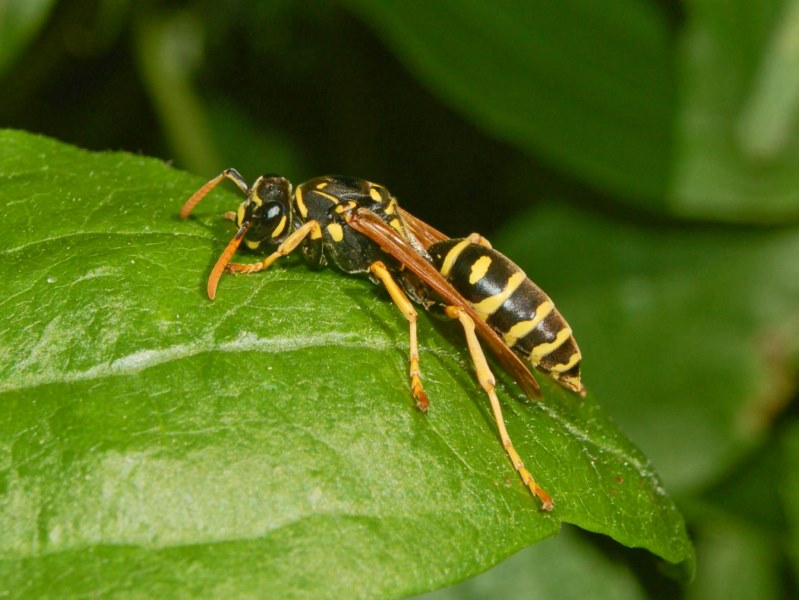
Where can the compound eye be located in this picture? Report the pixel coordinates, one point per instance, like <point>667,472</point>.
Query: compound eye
<point>273,212</point>
<point>270,222</point>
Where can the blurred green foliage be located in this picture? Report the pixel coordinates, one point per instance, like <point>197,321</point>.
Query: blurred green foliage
<point>638,159</point>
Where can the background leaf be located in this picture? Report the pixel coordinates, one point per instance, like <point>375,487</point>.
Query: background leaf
<point>265,439</point>
<point>737,146</point>
<point>540,573</point>
<point>592,88</point>
<point>19,22</point>
<point>741,547</point>
<point>528,72</point>
<point>790,493</point>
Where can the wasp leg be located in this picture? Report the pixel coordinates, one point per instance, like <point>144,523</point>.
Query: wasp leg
<point>476,238</point>
<point>288,246</point>
<point>231,174</point>
<point>487,382</point>
<point>379,270</point>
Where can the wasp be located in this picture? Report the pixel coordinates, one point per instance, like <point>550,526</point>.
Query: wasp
<point>359,228</point>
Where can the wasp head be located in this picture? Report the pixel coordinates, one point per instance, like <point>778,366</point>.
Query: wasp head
<point>266,212</point>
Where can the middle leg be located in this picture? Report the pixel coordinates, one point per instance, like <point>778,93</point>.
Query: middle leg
<point>379,270</point>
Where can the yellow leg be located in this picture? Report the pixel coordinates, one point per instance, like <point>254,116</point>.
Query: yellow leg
<point>290,244</point>
<point>379,270</point>
<point>487,382</point>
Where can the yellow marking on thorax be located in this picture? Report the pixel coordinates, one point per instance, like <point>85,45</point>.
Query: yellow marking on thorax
<point>375,195</point>
<point>391,207</point>
<point>542,350</point>
<point>323,185</point>
<point>342,208</point>
<point>316,230</point>
<point>452,256</point>
<point>336,232</point>
<point>240,215</point>
<point>522,328</point>
<point>563,367</point>
<point>487,307</point>
<point>330,197</point>
<point>479,269</point>
<point>300,202</point>
<point>252,244</point>
<point>280,227</point>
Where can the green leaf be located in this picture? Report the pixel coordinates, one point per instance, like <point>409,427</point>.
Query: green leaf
<point>739,563</point>
<point>737,127</point>
<point>541,573</point>
<point>689,336</point>
<point>154,442</point>
<point>790,489</point>
<point>705,128</point>
<point>740,529</point>
<point>20,20</point>
<point>587,85</point>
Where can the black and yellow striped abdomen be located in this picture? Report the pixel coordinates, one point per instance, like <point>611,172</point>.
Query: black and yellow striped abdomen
<point>515,307</point>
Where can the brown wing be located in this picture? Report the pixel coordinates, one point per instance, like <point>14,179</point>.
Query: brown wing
<point>373,227</point>
<point>426,234</point>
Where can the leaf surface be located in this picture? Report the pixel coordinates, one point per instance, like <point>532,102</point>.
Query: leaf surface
<point>153,441</point>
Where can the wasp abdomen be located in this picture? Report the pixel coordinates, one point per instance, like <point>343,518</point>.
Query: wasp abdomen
<point>513,306</point>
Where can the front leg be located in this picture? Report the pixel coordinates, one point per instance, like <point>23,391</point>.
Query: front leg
<point>310,228</point>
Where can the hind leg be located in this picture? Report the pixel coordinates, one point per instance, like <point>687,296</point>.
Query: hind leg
<point>487,382</point>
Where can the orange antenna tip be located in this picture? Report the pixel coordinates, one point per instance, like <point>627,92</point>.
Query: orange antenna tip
<point>224,259</point>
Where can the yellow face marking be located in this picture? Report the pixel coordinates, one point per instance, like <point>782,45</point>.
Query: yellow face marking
<point>280,227</point>
<point>487,307</point>
<point>375,195</point>
<point>323,185</point>
<point>522,328</point>
<point>335,231</point>
<point>540,351</point>
<point>573,360</point>
<point>300,203</point>
<point>330,197</point>
<point>479,269</point>
<point>452,256</point>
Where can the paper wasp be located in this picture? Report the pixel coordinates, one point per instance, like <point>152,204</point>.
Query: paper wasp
<point>359,228</point>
